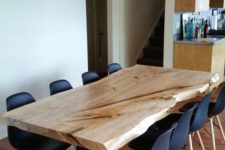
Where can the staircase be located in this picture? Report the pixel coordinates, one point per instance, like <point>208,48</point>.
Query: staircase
<point>153,53</point>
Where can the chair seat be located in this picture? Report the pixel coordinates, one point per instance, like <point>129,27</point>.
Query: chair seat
<point>50,144</point>
<point>44,144</point>
<point>168,121</point>
<point>188,106</point>
<point>80,148</point>
<point>34,141</point>
<point>146,140</point>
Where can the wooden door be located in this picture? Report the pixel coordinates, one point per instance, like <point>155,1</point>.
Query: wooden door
<point>97,36</point>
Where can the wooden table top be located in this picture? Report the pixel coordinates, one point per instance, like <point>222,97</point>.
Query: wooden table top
<point>110,112</point>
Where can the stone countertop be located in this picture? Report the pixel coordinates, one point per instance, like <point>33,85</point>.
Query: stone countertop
<point>202,41</point>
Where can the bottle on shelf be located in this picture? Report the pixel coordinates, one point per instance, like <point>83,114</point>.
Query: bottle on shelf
<point>214,19</point>
<point>191,29</point>
<point>209,26</point>
<point>202,28</point>
<point>185,33</point>
<point>206,29</point>
<point>197,31</point>
<point>187,28</point>
<point>219,21</point>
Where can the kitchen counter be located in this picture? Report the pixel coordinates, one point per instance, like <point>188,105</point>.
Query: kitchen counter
<point>201,54</point>
<point>202,41</point>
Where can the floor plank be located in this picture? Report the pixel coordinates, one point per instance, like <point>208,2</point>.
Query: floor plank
<point>4,145</point>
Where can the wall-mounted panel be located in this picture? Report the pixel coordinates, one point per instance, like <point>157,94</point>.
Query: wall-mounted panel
<point>191,5</point>
<point>217,3</point>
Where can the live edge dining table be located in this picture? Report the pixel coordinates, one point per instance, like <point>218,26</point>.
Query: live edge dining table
<point>109,113</point>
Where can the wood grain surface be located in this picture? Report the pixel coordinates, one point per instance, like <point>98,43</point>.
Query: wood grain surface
<point>210,58</point>
<point>109,113</point>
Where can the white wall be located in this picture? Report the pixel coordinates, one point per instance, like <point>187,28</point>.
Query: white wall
<point>132,21</point>
<point>114,11</point>
<point>40,41</point>
<point>168,33</point>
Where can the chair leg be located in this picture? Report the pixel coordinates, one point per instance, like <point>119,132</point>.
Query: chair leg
<point>200,140</point>
<point>190,142</point>
<point>221,127</point>
<point>213,134</point>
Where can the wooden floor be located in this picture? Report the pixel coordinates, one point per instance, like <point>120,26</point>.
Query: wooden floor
<point>205,133</point>
<point>4,145</point>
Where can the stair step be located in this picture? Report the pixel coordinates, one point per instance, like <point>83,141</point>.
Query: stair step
<point>162,20</point>
<point>159,30</point>
<point>150,62</point>
<point>153,53</point>
<point>156,41</point>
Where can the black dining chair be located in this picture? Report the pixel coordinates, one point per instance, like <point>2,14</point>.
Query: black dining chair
<point>89,77</point>
<point>59,86</point>
<point>215,108</point>
<point>163,141</point>
<point>178,137</point>
<point>153,139</point>
<point>180,133</point>
<point>23,140</point>
<point>199,118</point>
<point>114,67</point>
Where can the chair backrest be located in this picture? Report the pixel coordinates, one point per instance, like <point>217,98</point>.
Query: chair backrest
<point>89,77</point>
<point>18,100</point>
<point>114,67</point>
<point>59,86</point>
<point>220,104</point>
<point>180,133</point>
<point>201,113</point>
<point>163,141</point>
<point>18,138</point>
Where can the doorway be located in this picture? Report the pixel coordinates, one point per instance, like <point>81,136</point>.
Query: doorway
<point>97,36</point>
